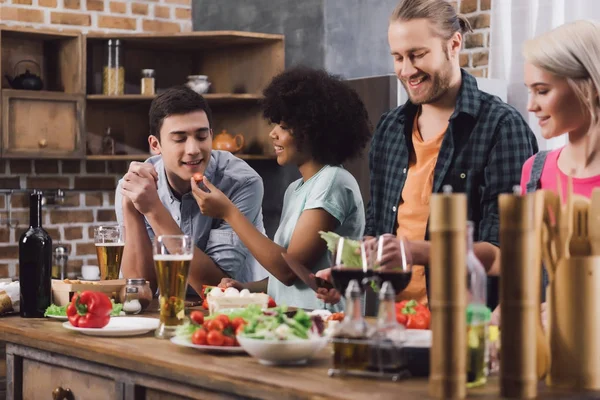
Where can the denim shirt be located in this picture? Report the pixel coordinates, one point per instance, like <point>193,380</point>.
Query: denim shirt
<point>242,185</point>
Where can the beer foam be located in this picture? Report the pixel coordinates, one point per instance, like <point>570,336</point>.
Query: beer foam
<point>173,257</point>
<point>110,244</point>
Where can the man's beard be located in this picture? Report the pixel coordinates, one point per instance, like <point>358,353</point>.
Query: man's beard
<point>440,83</point>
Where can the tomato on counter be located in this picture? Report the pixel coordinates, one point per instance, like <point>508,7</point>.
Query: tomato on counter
<point>216,331</point>
<point>413,315</point>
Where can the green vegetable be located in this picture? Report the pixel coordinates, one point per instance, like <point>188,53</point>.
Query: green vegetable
<point>350,254</point>
<point>247,313</point>
<point>61,311</point>
<point>274,324</point>
<point>53,309</point>
<point>186,330</point>
<point>117,308</point>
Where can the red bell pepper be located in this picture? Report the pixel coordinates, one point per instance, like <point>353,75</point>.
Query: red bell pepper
<point>412,314</point>
<point>89,310</point>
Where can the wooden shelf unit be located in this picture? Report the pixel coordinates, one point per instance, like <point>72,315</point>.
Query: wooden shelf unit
<point>142,157</point>
<point>238,65</point>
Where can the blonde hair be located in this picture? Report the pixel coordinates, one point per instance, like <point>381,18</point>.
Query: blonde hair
<point>572,51</point>
<point>441,13</point>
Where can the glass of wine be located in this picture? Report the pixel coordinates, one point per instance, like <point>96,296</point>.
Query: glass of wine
<point>390,260</point>
<point>349,263</point>
<point>110,242</point>
<point>172,257</point>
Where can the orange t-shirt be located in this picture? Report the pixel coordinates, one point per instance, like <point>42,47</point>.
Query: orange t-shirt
<point>413,210</point>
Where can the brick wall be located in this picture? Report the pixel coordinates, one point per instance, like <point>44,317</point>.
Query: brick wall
<point>88,201</point>
<point>475,54</point>
<point>99,15</point>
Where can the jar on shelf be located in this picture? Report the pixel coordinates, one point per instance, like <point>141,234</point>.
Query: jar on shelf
<point>144,293</point>
<point>113,77</point>
<point>131,303</point>
<point>148,88</point>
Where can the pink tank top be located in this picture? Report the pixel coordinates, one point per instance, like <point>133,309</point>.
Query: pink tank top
<point>582,186</point>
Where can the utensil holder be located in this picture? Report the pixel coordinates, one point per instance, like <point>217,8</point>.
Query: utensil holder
<point>574,324</point>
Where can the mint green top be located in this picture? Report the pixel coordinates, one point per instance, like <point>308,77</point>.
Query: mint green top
<point>334,190</point>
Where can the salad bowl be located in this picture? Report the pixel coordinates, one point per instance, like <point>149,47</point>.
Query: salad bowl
<point>276,338</point>
<point>282,352</point>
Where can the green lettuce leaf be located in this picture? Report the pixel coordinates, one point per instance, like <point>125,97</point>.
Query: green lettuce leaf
<point>350,256</point>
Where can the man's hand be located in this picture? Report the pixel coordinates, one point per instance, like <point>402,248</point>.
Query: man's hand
<point>139,185</point>
<point>393,252</point>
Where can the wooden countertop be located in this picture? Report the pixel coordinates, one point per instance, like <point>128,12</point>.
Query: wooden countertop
<point>241,375</point>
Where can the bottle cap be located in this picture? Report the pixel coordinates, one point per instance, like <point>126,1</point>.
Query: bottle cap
<point>387,291</point>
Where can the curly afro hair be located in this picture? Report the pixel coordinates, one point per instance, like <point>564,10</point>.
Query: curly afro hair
<point>325,116</point>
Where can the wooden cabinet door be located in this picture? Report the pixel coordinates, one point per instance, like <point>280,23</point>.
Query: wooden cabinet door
<point>41,379</point>
<point>42,124</point>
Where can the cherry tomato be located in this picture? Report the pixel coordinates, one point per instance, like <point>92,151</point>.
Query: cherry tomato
<point>271,303</point>
<point>215,325</point>
<point>240,329</point>
<point>198,176</point>
<point>197,317</point>
<point>224,320</point>
<point>215,338</point>
<point>228,341</point>
<point>237,321</point>
<point>199,337</point>
<point>205,304</point>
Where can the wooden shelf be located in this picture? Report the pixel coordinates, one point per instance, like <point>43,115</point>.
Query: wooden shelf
<point>120,157</point>
<point>212,98</point>
<point>190,41</point>
<point>143,157</point>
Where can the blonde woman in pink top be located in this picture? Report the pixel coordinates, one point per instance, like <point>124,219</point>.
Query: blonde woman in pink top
<point>562,73</point>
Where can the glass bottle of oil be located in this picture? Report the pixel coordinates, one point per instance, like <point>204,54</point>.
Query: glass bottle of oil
<point>390,335</point>
<point>478,317</point>
<point>350,345</point>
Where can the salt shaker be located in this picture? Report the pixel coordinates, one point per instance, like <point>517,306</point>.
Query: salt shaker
<point>131,304</point>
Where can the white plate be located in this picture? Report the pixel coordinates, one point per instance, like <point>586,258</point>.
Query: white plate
<point>217,349</point>
<point>122,326</point>
<point>418,338</point>
<point>59,317</point>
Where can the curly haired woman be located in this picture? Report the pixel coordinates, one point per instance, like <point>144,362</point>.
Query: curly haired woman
<point>319,123</point>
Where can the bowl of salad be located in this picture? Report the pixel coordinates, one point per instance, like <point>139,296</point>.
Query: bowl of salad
<point>276,337</point>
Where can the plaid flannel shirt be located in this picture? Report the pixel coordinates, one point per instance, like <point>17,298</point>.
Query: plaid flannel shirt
<point>483,150</point>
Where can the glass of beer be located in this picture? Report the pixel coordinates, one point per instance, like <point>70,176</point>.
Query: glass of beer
<point>172,256</point>
<point>110,242</point>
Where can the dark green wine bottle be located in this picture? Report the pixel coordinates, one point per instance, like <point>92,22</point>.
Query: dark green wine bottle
<point>35,263</point>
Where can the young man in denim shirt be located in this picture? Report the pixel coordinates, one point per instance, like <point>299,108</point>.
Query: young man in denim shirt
<point>154,197</point>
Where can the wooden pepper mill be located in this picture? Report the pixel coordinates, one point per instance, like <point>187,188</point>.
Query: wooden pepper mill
<point>519,295</point>
<point>448,301</point>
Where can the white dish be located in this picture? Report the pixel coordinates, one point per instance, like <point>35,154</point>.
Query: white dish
<point>282,352</point>
<point>215,349</point>
<point>122,326</point>
<point>418,338</point>
<point>58,317</point>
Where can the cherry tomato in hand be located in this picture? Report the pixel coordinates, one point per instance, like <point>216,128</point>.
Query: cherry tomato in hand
<point>198,177</point>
